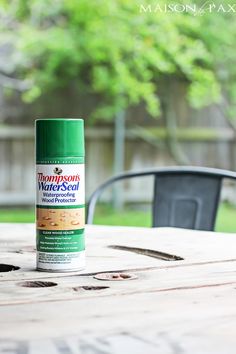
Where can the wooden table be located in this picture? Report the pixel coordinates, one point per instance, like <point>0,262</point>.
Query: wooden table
<point>173,306</point>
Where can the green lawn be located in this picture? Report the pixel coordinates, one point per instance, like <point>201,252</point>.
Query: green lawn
<point>17,215</point>
<point>226,220</point>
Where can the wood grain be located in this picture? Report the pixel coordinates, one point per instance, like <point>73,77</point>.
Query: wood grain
<point>172,307</point>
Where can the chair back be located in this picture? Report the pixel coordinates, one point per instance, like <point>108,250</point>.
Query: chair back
<point>186,201</point>
<point>185,197</point>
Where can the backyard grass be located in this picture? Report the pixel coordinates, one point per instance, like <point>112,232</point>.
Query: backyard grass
<point>105,215</point>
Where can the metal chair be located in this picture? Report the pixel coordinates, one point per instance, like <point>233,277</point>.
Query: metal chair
<point>185,197</point>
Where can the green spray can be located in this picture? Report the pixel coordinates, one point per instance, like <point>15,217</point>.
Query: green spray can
<point>60,194</point>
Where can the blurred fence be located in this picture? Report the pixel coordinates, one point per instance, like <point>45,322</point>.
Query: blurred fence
<point>17,166</point>
<point>217,149</point>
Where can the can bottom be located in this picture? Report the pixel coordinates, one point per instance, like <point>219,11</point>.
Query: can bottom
<point>60,262</point>
<point>60,270</point>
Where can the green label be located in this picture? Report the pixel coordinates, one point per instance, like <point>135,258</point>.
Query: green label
<point>60,206</point>
<point>62,160</point>
<point>60,241</point>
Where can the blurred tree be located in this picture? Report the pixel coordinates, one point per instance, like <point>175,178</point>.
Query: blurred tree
<point>120,50</point>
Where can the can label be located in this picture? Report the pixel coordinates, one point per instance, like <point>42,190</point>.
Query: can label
<point>60,216</point>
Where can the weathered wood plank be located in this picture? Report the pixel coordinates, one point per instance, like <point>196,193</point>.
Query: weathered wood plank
<point>18,240</point>
<point>148,281</point>
<point>172,307</point>
<point>200,317</point>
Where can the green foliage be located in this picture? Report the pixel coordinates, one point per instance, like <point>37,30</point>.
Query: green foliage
<point>115,50</point>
